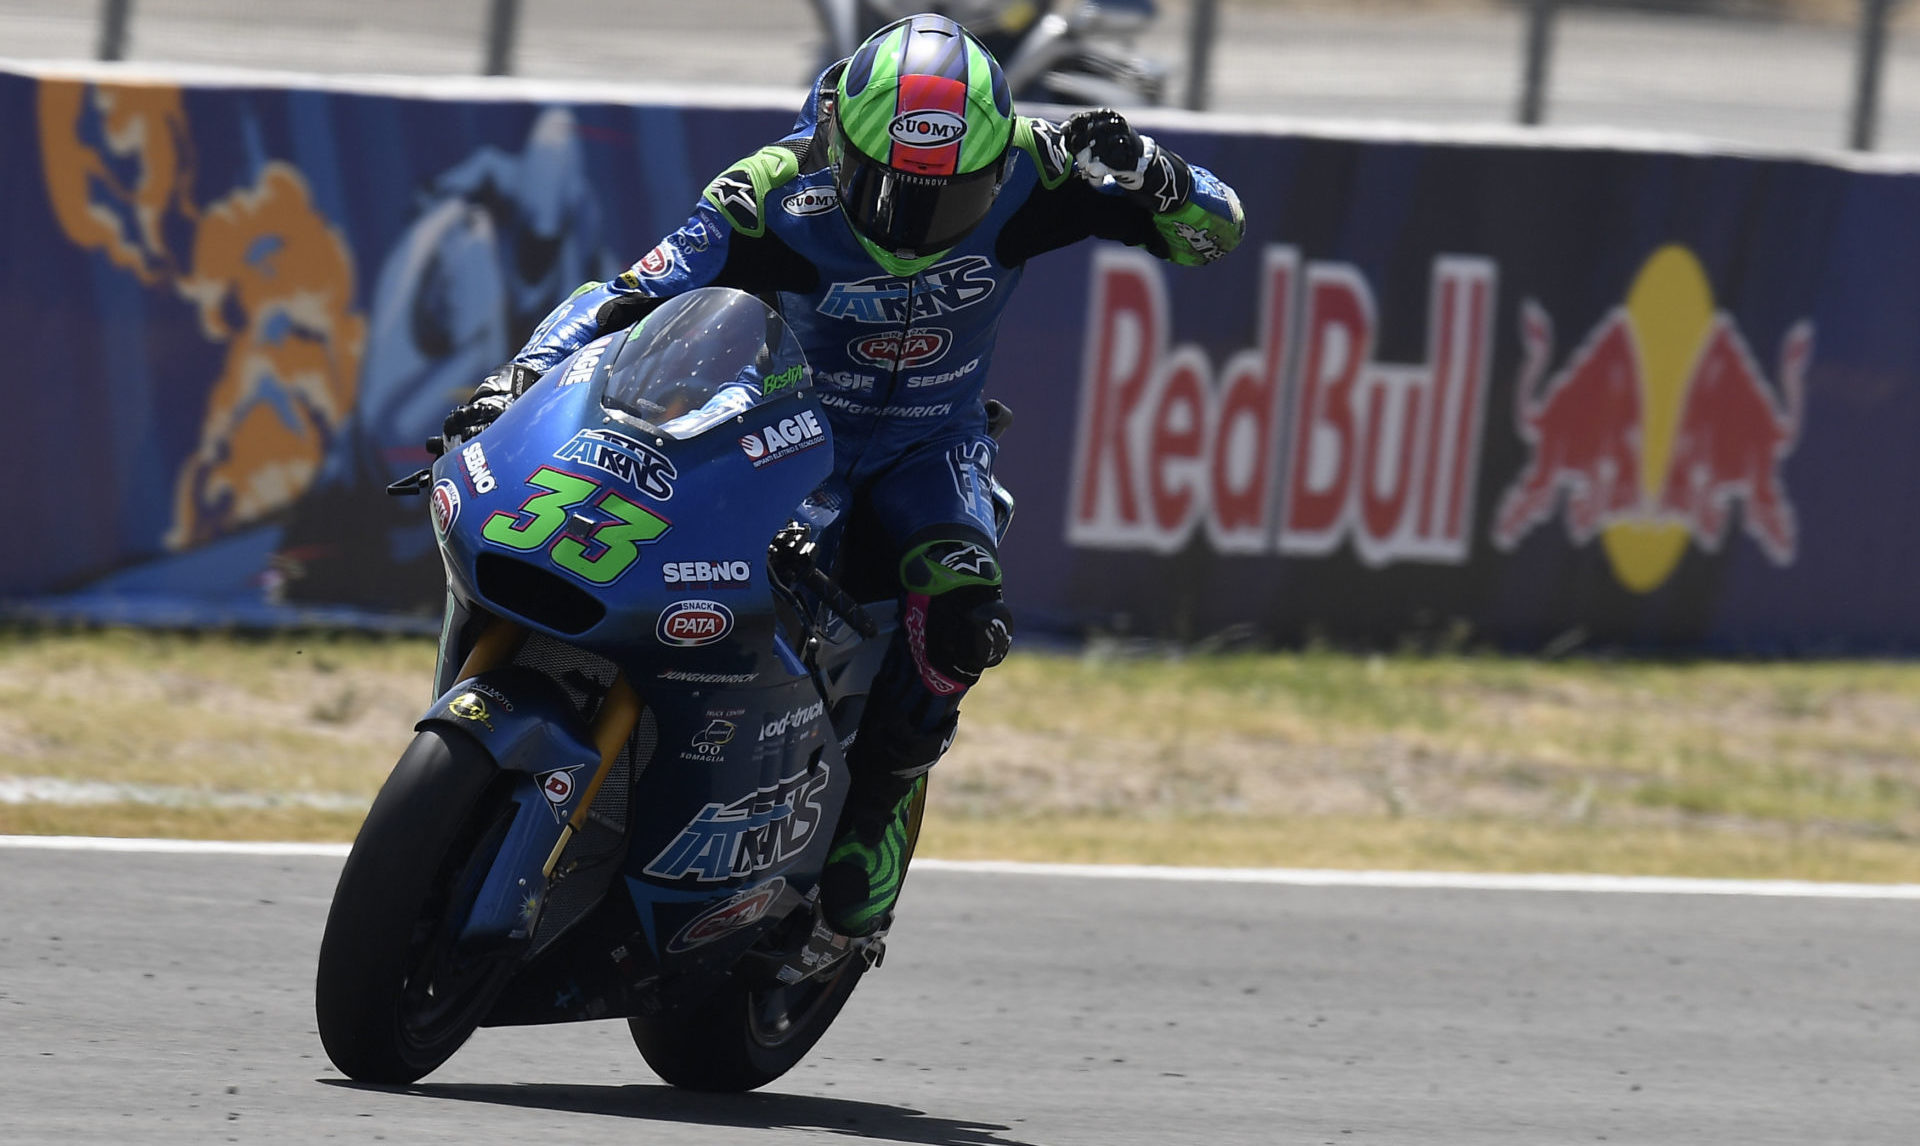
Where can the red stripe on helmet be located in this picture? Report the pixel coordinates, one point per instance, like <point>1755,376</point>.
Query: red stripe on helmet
<point>928,108</point>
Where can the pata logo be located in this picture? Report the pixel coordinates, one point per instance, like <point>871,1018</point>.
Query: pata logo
<point>927,128</point>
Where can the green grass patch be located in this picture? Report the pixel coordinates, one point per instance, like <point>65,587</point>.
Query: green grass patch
<point>1311,758</point>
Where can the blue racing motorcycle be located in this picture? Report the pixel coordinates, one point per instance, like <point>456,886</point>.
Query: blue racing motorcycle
<point>620,803</point>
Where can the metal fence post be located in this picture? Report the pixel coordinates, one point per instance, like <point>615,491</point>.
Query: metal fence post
<point>1202,25</point>
<point>500,26</point>
<point>1866,88</point>
<point>113,29</point>
<point>1533,90</point>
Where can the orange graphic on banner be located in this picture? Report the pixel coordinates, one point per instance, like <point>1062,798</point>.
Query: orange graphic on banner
<point>272,279</point>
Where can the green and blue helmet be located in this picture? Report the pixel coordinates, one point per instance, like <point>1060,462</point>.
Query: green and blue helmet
<point>918,140</point>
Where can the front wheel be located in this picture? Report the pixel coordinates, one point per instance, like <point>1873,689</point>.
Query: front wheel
<point>394,995</point>
<point>745,1036</point>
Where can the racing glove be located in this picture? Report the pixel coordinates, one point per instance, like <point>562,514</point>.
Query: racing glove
<point>494,394</point>
<point>1105,146</point>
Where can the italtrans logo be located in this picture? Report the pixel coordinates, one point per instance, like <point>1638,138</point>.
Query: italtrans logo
<point>1656,428</point>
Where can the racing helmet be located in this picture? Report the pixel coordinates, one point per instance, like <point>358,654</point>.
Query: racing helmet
<point>918,140</point>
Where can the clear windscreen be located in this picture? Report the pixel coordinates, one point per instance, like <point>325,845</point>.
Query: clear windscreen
<point>702,358</point>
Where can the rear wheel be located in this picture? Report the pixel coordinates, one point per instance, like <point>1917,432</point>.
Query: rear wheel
<point>394,997</point>
<point>745,1036</point>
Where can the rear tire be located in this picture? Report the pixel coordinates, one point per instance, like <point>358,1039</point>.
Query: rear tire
<point>744,1037</point>
<point>393,999</point>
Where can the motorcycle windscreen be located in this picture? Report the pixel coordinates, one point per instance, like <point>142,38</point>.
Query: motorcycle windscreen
<point>701,359</point>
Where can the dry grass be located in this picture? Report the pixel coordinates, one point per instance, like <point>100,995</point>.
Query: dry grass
<point>1303,759</point>
<point>283,715</point>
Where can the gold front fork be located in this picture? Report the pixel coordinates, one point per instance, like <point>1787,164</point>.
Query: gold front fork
<point>619,713</point>
<point>495,646</point>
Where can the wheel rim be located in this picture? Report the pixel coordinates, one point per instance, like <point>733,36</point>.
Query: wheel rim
<point>778,1013</point>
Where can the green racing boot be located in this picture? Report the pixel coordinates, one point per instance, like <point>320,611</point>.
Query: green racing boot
<point>868,863</point>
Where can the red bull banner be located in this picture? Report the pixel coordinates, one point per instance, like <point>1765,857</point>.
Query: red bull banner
<point>1509,389</point>
<point>1531,396</point>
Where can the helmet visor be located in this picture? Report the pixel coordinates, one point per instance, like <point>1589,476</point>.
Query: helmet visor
<point>910,215</point>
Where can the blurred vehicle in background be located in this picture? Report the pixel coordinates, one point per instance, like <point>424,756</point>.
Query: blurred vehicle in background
<point>1085,57</point>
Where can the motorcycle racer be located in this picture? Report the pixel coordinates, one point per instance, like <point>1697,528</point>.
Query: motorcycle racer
<point>906,159</point>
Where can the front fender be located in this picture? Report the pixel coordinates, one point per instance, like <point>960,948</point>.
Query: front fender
<point>521,717</point>
<point>526,723</point>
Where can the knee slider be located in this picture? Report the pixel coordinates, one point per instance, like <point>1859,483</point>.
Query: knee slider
<point>968,631</point>
<point>954,584</point>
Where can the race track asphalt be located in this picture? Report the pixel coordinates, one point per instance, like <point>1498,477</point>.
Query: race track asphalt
<point>156,998</point>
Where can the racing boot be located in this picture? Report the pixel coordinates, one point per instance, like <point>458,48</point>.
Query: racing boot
<point>868,861</point>
<point>887,763</point>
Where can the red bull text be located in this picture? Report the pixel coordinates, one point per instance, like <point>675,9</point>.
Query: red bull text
<point>1377,453</point>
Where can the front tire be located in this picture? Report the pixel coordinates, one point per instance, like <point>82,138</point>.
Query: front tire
<point>393,996</point>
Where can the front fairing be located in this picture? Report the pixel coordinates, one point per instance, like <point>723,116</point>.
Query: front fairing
<point>647,550</point>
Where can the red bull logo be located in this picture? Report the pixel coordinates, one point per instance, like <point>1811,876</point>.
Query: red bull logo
<point>1655,428</point>
<point>1305,442</point>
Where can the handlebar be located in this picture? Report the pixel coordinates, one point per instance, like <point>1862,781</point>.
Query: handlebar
<point>791,558</point>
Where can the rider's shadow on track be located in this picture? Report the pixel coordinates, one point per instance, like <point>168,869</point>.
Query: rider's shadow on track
<point>759,1111</point>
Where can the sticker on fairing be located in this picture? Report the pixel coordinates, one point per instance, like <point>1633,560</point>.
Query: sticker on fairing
<point>743,910</point>
<point>445,504</point>
<point>783,439</point>
<point>755,832</point>
<point>558,787</point>
<point>691,623</point>
<point>627,458</point>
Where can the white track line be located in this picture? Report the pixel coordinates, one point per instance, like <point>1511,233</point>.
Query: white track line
<point>1293,877</point>
<point>176,847</point>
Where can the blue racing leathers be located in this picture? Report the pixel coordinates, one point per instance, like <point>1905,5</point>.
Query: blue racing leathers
<point>900,363</point>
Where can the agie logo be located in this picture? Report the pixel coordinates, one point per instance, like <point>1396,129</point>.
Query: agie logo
<point>1656,427</point>
<point>783,439</point>
<point>691,623</point>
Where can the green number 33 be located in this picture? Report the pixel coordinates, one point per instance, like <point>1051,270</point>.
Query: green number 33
<point>606,551</point>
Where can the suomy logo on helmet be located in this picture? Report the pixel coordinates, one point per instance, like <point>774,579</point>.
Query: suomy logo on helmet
<point>927,128</point>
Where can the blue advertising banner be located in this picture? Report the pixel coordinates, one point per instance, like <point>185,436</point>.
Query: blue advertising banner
<point>1539,394</point>
<point>236,313</point>
<point>1535,395</point>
